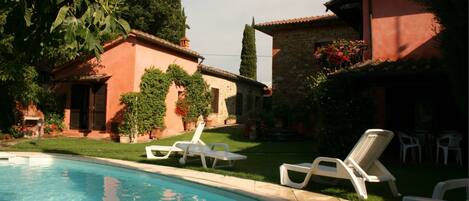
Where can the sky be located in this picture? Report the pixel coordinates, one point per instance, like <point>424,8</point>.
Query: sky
<point>216,28</point>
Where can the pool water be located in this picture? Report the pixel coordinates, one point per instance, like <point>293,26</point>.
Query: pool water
<point>59,179</point>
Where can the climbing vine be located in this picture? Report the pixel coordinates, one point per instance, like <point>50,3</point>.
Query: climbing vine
<point>146,109</point>
<point>196,92</point>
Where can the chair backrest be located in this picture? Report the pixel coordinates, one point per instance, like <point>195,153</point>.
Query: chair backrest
<point>198,133</point>
<point>370,147</point>
<point>403,137</point>
<point>453,139</point>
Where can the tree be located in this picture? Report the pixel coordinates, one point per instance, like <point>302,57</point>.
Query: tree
<point>248,65</point>
<point>163,18</point>
<point>453,15</point>
<point>39,35</point>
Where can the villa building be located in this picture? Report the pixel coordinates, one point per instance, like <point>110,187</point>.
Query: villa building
<point>232,95</point>
<point>410,88</point>
<point>92,88</point>
<point>293,44</point>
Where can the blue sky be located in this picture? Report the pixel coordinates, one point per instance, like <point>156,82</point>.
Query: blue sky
<point>216,28</point>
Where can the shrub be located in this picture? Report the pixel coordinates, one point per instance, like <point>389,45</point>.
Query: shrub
<point>196,92</point>
<point>146,109</point>
<point>130,125</point>
<point>53,122</point>
<point>342,114</point>
<point>17,131</point>
<point>181,107</point>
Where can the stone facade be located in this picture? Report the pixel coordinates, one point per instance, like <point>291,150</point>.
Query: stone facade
<point>293,49</point>
<point>232,89</point>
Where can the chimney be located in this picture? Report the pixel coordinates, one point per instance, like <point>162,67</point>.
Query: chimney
<point>184,42</point>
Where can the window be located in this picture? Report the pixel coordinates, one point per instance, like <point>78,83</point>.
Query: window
<point>215,99</point>
<point>239,104</point>
<point>250,102</point>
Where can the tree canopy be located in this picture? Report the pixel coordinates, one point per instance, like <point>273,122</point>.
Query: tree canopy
<point>163,18</point>
<point>36,36</point>
<point>248,65</point>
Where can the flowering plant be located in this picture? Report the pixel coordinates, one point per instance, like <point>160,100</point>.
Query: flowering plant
<point>182,108</point>
<point>340,54</point>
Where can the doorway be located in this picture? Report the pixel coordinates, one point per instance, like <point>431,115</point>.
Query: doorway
<point>88,107</point>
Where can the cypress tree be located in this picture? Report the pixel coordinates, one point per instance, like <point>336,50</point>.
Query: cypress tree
<point>248,65</point>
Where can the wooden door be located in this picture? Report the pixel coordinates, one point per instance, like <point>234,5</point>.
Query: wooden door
<point>98,107</point>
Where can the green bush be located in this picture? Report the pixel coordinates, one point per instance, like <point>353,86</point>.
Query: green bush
<point>16,132</point>
<point>196,90</point>
<point>53,108</point>
<point>130,100</point>
<point>146,109</point>
<point>343,114</point>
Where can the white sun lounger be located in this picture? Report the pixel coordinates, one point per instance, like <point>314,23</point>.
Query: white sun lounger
<point>360,165</point>
<point>440,190</point>
<point>208,151</point>
<point>6,156</point>
<point>178,146</point>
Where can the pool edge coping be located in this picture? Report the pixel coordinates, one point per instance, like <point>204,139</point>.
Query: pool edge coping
<point>251,188</point>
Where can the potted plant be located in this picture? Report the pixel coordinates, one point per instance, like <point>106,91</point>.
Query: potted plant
<point>189,123</point>
<point>182,109</point>
<point>156,133</point>
<point>209,121</point>
<point>124,138</point>
<point>231,119</point>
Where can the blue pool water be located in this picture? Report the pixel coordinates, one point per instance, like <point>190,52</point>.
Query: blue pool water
<point>59,179</point>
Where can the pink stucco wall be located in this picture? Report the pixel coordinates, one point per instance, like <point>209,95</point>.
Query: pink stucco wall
<point>118,62</point>
<point>125,62</point>
<point>400,29</point>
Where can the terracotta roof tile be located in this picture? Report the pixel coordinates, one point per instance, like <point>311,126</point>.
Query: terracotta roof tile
<point>388,67</point>
<point>227,75</point>
<point>298,20</point>
<point>159,41</point>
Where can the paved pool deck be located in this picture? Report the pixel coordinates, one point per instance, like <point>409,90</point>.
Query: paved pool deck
<point>256,189</point>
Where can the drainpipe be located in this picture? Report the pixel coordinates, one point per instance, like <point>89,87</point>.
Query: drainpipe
<point>370,17</point>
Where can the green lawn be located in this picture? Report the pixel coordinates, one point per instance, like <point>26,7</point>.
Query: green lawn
<point>262,164</point>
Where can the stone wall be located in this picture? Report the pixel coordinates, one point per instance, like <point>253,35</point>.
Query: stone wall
<point>227,100</point>
<point>293,60</point>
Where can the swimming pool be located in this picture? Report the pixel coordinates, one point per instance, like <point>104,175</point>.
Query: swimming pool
<point>24,178</point>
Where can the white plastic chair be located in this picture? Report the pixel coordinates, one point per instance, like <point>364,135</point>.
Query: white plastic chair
<point>408,142</point>
<point>449,142</point>
<point>178,146</point>
<point>360,165</point>
<point>208,151</point>
<point>440,190</point>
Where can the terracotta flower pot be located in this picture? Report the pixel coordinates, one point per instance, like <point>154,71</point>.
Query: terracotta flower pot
<point>209,122</point>
<point>156,133</point>
<point>188,126</point>
<point>124,139</point>
<point>230,121</point>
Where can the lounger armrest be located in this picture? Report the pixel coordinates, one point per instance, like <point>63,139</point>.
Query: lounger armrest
<point>225,146</point>
<point>319,160</point>
<point>181,142</point>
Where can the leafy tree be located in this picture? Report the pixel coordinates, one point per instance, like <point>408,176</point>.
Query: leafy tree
<point>163,18</point>
<point>36,35</point>
<point>248,65</point>
<point>452,15</point>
